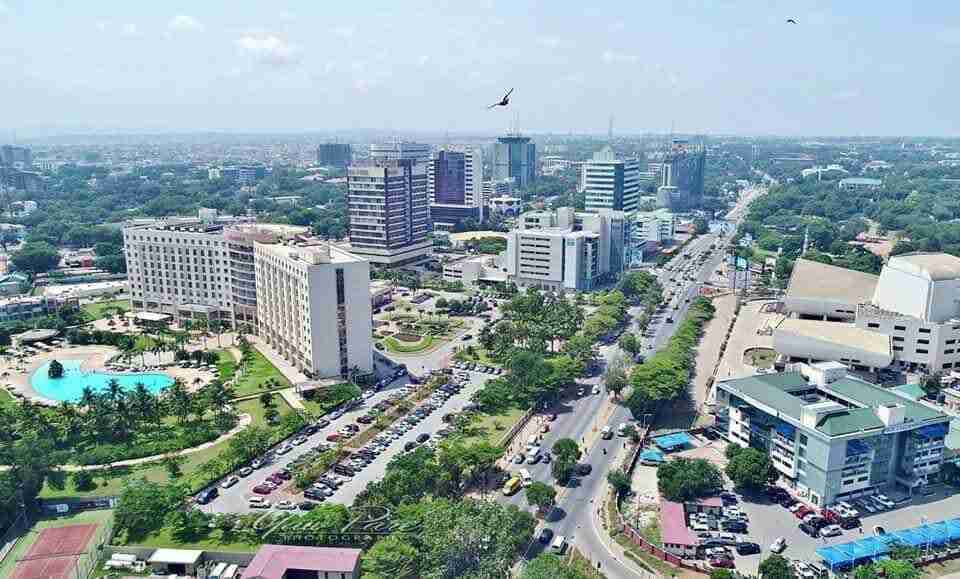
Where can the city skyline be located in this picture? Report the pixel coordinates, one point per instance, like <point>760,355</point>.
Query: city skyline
<point>734,69</point>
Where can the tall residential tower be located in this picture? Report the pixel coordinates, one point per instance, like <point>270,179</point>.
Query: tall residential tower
<point>611,183</point>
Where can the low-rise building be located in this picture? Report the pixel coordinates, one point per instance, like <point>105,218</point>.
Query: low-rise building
<point>827,292</point>
<point>833,436</point>
<point>818,341</point>
<point>859,184</point>
<point>288,562</point>
<point>473,271</point>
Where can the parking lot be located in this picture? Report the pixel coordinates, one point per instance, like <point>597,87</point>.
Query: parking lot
<point>236,497</point>
<point>768,520</point>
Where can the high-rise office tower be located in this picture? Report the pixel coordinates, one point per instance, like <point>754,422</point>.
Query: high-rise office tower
<point>334,155</point>
<point>514,156</point>
<point>16,157</point>
<point>611,183</point>
<point>681,177</point>
<point>454,186</point>
<point>400,151</point>
<point>389,211</point>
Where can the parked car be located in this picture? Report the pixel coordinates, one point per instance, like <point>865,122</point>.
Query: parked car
<point>286,505</point>
<point>258,503</point>
<point>229,482</point>
<point>722,563</point>
<point>545,535</point>
<point>734,526</point>
<point>830,531</point>
<point>245,471</point>
<point>207,495</point>
<point>263,489</point>
<point>747,548</point>
<point>809,529</point>
<point>778,545</point>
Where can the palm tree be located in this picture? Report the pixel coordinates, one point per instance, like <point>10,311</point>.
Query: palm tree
<point>142,402</point>
<point>179,400</point>
<point>114,392</point>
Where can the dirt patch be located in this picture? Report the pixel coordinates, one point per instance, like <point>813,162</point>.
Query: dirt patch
<point>760,357</point>
<point>410,338</point>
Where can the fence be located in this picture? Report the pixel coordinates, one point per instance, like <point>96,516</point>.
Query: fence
<point>507,438</point>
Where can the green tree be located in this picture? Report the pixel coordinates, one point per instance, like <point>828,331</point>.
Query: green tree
<point>776,567</point>
<point>630,344</point>
<point>722,574</point>
<point>249,443</point>
<point>82,480</point>
<point>144,505</point>
<point>36,257</point>
<point>687,479</point>
<point>391,558</point>
<point>750,469</point>
<point>620,481</point>
<point>541,495</point>
<point>566,453</point>
<point>550,566</point>
<point>55,370</point>
<point>700,226</point>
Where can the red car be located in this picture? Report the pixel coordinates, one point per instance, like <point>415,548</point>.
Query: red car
<point>803,511</point>
<point>831,517</point>
<point>334,436</point>
<point>263,489</point>
<point>722,563</point>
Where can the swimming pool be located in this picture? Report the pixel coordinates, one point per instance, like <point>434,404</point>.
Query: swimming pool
<point>70,386</point>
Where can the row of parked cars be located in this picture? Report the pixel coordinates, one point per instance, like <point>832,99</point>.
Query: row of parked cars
<point>721,534</point>
<point>357,460</point>
<point>474,367</point>
<point>823,523</point>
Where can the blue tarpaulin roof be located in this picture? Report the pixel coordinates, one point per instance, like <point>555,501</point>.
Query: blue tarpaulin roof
<point>871,548</point>
<point>786,429</point>
<point>673,441</point>
<point>934,430</point>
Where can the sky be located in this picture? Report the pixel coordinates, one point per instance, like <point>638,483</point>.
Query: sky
<point>854,68</point>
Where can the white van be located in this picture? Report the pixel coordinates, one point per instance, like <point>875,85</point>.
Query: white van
<point>559,544</point>
<point>606,433</point>
<point>533,454</point>
<point>525,477</point>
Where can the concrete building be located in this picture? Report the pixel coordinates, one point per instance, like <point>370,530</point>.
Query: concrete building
<point>334,155</point>
<point>827,292</point>
<point>453,189</point>
<point>196,269</point>
<point>474,271</point>
<point>912,302</point>
<point>831,436</point>
<point>515,157</point>
<point>505,204</point>
<point>818,341</point>
<point>313,307</point>
<point>492,189</point>
<point>16,157</point>
<point>657,226</point>
<point>565,250</point>
<point>681,177</point>
<point>859,184</point>
<point>610,183</point>
<point>400,151</point>
<point>389,211</point>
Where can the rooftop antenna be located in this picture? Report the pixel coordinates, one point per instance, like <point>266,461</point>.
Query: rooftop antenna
<point>610,129</point>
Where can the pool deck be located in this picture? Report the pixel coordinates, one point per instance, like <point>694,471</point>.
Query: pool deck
<point>15,374</point>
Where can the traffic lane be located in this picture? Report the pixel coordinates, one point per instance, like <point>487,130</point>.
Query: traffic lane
<point>575,417</point>
<point>234,499</point>
<point>374,471</point>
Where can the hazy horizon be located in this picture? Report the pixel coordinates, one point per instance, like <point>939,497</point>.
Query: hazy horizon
<point>733,68</point>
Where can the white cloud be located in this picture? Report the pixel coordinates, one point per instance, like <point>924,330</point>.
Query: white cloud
<point>345,31</point>
<point>548,41</point>
<point>184,23</point>
<point>129,29</point>
<point>613,57</point>
<point>268,48</point>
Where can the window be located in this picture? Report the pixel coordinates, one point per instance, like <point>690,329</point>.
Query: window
<point>873,325</point>
<point>900,328</point>
<point>898,338</point>
<point>924,330</point>
<point>803,439</point>
<point>948,351</point>
<point>922,351</point>
<point>923,341</point>
<point>898,348</point>
<point>948,342</point>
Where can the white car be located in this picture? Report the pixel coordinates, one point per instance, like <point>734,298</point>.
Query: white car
<point>884,500</point>
<point>830,531</point>
<point>229,482</point>
<point>258,503</point>
<point>596,389</point>
<point>778,545</point>
<point>286,506</point>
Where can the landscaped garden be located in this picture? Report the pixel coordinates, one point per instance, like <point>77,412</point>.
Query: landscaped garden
<point>760,357</point>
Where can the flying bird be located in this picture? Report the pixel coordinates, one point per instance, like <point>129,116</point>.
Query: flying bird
<point>503,102</point>
<point>791,21</point>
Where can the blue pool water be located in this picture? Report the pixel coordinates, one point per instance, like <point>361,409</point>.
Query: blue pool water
<point>70,386</point>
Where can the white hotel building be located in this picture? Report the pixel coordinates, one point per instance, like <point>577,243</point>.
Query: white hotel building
<point>245,275</point>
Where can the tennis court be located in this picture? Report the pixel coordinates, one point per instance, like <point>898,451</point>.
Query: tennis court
<point>59,548</point>
<point>56,553</point>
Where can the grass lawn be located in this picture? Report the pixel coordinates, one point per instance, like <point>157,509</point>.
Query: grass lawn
<point>491,427</point>
<point>6,399</point>
<point>399,347</point>
<point>213,542</point>
<point>227,365</point>
<point>10,561</point>
<point>108,483</point>
<point>96,311</point>
<point>258,371</point>
<point>481,356</point>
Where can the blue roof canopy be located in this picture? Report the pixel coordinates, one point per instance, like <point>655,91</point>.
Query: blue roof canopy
<point>673,441</point>
<point>871,548</point>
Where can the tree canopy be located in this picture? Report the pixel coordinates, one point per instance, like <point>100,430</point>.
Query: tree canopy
<point>686,479</point>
